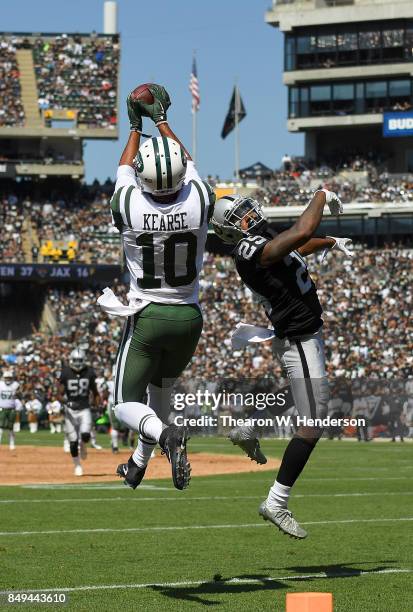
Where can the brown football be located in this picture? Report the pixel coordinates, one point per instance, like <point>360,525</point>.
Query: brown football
<point>142,93</point>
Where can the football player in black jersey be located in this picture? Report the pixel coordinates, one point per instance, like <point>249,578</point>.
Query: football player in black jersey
<point>78,385</point>
<point>272,266</point>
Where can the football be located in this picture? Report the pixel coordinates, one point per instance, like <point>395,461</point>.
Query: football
<point>142,93</point>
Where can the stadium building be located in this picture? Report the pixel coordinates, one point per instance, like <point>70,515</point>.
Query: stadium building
<point>348,66</point>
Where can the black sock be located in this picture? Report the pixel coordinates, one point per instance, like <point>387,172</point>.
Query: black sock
<point>294,459</point>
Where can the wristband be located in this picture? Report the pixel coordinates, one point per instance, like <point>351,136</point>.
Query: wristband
<point>141,133</point>
<point>327,193</point>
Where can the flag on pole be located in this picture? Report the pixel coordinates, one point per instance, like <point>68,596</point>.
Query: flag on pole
<point>194,87</point>
<point>236,110</point>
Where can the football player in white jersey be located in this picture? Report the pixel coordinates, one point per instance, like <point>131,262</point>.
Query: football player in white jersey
<point>55,412</point>
<point>161,208</point>
<point>9,404</point>
<point>33,409</point>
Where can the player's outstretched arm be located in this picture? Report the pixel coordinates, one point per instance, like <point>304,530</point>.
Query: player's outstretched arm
<point>316,244</point>
<point>326,244</point>
<point>135,126</point>
<point>130,150</point>
<point>298,235</point>
<point>165,130</point>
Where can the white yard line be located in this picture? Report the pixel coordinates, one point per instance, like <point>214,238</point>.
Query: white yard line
<point>84,487</point>
<point>79,486</point>
<point>328,479</point>
<point>196,527</point>
<point>218,583</point>
<point>137,499</point>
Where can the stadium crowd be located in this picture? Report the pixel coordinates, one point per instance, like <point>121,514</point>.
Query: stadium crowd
<point>81,214</point>
<point>88,226</point>
<point>57,223</point>
<point>11,243</point>
<point>75,72</point>
<point>296,181</point>
<point>367,310</point>
<point>11,107</point>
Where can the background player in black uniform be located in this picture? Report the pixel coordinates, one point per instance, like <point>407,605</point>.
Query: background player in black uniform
<point>78,385</point>
<point>272,266</point>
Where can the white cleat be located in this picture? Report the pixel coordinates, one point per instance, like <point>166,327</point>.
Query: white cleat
<point>83,451</point>
<point>12,447</point>
<point>153,454</point>
<point>66,446</point>
<point>283,519</point>
<point>96,446</point>
<point>78,470</point>
<point>248,441</point>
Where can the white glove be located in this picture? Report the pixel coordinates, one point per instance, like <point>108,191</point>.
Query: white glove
<point>334,203</point>
<point>340,244</point>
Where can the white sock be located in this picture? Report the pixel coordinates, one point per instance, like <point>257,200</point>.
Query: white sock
<point>93,437</point>
<point>114,436</point>
<point>159,399</point>
<point>76,460</point>
<point>12,439</point>
<point>140,418</point>
<point>278,496</point>
<point>143,452</point>
<point>1,434</point>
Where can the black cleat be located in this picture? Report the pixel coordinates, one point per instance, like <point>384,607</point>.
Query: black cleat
<point>115,450</point>
<point>173,444</point>
<point>132,474</point>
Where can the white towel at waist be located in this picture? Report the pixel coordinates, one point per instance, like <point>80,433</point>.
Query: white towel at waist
<point>244,333</point>
<point>112,305</point>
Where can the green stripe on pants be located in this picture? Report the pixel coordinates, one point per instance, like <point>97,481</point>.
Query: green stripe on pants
<point>156,348</point>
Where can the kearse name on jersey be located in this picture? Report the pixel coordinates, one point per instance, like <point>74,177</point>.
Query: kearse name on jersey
<point>165,223</point>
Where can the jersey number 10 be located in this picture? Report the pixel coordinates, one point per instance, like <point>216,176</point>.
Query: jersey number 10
<point>149,280</point>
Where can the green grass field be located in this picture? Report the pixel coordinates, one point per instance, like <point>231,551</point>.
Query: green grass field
<point>155,548</point>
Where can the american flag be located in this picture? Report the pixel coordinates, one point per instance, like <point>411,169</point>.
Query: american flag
<point>194,88</point>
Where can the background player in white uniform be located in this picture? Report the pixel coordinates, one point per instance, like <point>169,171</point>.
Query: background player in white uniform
<point>33,408</point>
<point>9,404</point>
<point>163,220</point>
<point>55,411</point>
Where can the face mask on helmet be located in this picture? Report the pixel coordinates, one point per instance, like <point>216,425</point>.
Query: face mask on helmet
<point>77,360</point>
<point>246,214</point>
<point>236,217</point>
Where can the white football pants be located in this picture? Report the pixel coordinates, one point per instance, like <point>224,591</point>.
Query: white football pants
<point>77,422</point>
<point>304,363</point>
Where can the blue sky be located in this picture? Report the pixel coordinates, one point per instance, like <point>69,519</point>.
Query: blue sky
<point>231,40</point>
